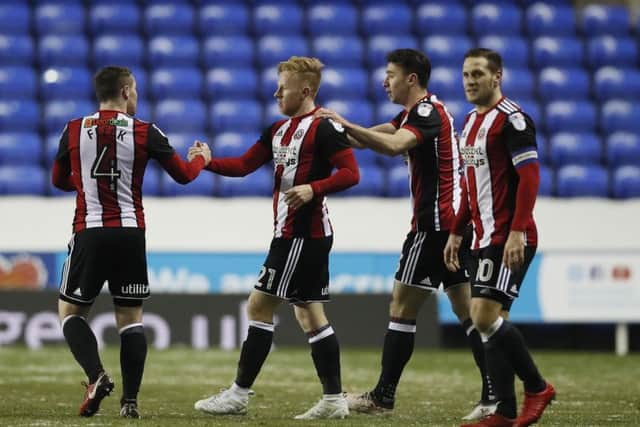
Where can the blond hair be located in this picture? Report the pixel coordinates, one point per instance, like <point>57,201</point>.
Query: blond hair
<point>307,68</point>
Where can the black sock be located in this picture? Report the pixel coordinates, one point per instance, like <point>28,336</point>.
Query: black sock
<point>502,377</point>
<point>477,348</point>
<point>521,359</point>
<point>133,352</point>
<point>398,348</point>
<point>255,350</point>
<point>83,345</point>
<point>325,352</point>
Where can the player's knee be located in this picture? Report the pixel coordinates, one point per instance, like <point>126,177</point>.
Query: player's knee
<point>259,312</point>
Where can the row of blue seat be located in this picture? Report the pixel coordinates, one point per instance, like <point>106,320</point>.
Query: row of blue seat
<point>187,50</point>
<point>569,181</point>
<point>232,18</point>
<point>550,84</point>
<point>619,149</point>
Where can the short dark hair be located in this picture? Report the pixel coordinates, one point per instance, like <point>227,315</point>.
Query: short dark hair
<point>109,80</point>
<point>412,61</point>
<point>493,58</point>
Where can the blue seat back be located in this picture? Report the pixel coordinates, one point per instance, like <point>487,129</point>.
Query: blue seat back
<point>582,181</point>
<point>228,51</point>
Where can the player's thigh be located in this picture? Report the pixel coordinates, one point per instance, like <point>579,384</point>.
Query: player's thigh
<point>421,263</point>
<point>85,268</point>
<point>261,306</point>
<point>407,300</point>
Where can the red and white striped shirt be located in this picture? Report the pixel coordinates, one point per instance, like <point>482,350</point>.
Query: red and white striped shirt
<point>103,157</point>
<point>495,146</point>
<point>434,164</point>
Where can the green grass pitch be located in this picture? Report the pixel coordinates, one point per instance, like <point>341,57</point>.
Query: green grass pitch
<point>42,388</point>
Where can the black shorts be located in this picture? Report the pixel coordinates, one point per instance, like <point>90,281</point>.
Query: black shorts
<point>297,270</point>
<point>490,278</point>
<point>422,262</point>
<point>114,255</point>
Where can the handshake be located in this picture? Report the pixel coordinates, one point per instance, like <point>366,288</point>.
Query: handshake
<point>200,149</point>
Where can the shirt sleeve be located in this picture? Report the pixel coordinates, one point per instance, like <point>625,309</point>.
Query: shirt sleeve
<point>519,135</point>
<point>331,137</point>
<point>424,122</point>
<point>158,144</point>
<point>61,170</point>
<point>395,122</point>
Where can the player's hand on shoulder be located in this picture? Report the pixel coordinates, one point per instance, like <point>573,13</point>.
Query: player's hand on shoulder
<point>451,250</point>
<point>337,120</point>
<point>297,196</point>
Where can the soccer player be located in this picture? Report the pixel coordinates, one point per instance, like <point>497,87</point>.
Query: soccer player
<point>102,157</point>
<point>498,145</point>
<point>424,130</point>
<point>304,150</point>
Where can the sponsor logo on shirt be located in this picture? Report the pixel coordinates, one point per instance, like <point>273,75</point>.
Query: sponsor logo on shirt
<point>473,156</point>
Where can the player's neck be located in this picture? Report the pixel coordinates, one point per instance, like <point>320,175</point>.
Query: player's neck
<point>490,103</point>
<point>114,106</point>
<point>306,107</point>
<point>415,95</point>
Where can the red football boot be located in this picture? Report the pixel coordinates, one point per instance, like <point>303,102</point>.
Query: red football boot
<point>495,420</point>
<point>534,405</point>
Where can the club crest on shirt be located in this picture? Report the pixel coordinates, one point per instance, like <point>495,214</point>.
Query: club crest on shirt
<point>337,126</point>
<point>299,134</point>
<point>481,133</point>
<point>425,109</point>
<point>518,121</point>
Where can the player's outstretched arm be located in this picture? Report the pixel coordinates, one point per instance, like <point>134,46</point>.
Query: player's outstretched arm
<point>256,156</point>
<point>390,144</point>
<point>182,171</point>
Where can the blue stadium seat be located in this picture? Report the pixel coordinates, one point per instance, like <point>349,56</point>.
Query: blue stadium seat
<point>203,185</point>
<point>441,19</point>
<point>339,51</point>
<point>358,111</point>
<point>63,50</point>
<point>582,181</point>
<point>268,83</point>
<point>386,111</point>
<point>543,148</point>
<point>365,157</point>
<point>232,144</point>
<point>181,116</point>
<point>275,18</point>
<point>141,77</point>
<point>379,46</point>
<point>23,180</point>
<point>563,83</point>
<point>332,19</point>
<point>376,80</point>
<point>59,18</point>
<point>236,116</point>
<point>614,82</point>
<point>127,50</point>
<point>51,144</point>
<point>15,19</point>
<point>273,49</point>
<point>114,18</point>
<point>557,51</point>
<point>372,183</point>
<point>57,113</point>
<point>228,83</point>
<point>550,19</point>
<point>496,18</point>
<point>533,110</point>
<point>66,83</point>
<point>17,83</point>
<point>517,83</point>
<point>398,182</point>
<point>343,83</point>
<point>144,111</point>
<point>18,148</point>
<point>571,116</point>
<point>446,50</point>
<point>446,82</point>
<point>626,182</point>
<point>151,182</point>
<point>619,115</point>
<point>458,109</point>
<point>258,183</point>
<point>178,83</point>
<point>623,148</point>
<point>168,18</point>
<point>182,141</point>
<point>228,51</point>
<point>19,116</point>
<point>546,181</point>
<point>385,19</point>
<point>610,50</point>
<point>16,49</point>
<point>605,19</point>
<point>513,49</point>
<point>271,113</point>
<point>177,51</point>
<point>224,19</point>
<point>575,148</point>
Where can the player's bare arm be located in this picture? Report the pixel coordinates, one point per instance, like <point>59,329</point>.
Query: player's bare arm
<point>391,144</point>
<point>451,252</point>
